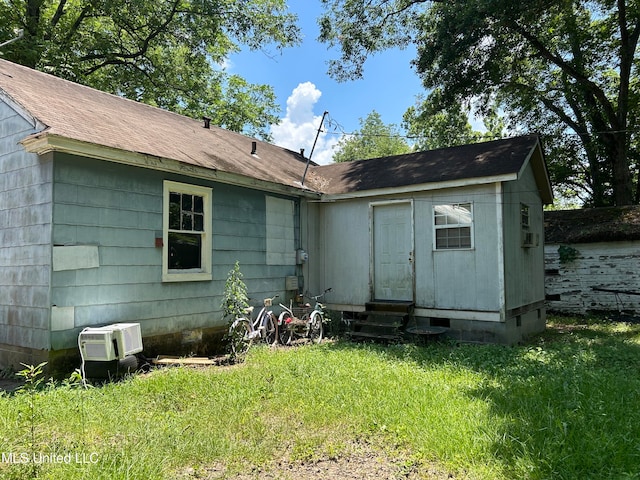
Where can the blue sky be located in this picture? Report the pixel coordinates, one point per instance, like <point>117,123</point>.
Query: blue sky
<point>305,90</point>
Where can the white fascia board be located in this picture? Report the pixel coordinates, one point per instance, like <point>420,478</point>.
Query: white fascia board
<point>23,112</point>
<point>539,169</point>
<point>422,187</point>
<point>43,144</point>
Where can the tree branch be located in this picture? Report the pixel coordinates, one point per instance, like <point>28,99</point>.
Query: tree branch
<point>112,58</point>
<point>569,70</point>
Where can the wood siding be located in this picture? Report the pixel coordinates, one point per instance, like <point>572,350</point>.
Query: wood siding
<point>119,210</point>
<point>447,280</point>
<point>25,233</point>
<point>613,266</point>
<point>524,266</point>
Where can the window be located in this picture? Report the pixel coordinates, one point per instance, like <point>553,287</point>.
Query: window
<point>524,216</point>
<point>186,232</point>
<point>529,239</point>
<point>452,225</point>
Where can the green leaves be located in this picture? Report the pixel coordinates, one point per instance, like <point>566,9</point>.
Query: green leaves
<point>563,69</point>
<point>167,54</point>
<point>375,139</point>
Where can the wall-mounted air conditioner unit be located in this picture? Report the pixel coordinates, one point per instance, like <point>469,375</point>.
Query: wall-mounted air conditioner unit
<point>110,342</point>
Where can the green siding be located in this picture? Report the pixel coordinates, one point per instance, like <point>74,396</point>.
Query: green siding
<point>25,253</point>
<point>119,209</point>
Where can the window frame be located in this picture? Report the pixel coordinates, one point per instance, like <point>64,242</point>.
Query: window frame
<point>452,226</point>
<point>191,274</point>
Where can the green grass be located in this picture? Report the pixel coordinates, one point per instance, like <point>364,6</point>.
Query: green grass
<point>564,406</point>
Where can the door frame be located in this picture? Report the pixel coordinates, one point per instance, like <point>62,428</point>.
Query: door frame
<point>412,253</point>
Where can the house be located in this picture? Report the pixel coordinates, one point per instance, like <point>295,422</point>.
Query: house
<point>592,260</point>
<point>115,211</point>
<point>455,232</point>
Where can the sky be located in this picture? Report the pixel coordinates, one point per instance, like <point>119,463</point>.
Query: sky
<point>304,90</point>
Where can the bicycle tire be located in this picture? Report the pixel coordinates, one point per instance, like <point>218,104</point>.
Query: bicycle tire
<point>270,330</point>
<point>316,327</point>
<point>239,337</point>
<point>284,331</point>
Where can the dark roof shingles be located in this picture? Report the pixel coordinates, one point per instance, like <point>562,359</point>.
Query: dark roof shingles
<point>485,159</point>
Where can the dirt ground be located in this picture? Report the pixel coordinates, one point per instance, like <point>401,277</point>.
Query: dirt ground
<point>361,462</point>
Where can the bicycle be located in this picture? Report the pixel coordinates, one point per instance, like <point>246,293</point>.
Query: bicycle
<point>302,322</point>
<point>243,331</point>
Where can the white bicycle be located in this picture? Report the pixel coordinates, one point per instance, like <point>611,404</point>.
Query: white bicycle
<point>243,331</point>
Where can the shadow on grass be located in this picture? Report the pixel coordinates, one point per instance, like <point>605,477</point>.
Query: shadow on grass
<point>566,401</point>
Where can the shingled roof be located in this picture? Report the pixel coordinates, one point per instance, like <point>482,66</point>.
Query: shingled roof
<point>83,114</point>
<point>87,117</point>
<point>592,225</point>
<point>493,159</point>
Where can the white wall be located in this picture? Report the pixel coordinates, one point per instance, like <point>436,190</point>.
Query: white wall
<point>447,280</point>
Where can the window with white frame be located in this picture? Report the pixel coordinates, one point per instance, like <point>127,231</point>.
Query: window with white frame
<point>453,226</point>
<point>186,232</point>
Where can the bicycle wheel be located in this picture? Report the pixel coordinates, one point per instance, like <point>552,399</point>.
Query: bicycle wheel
<point>270,330</point>
<point>316,328</point>
<point>284,329</point>
<point>239,337</point>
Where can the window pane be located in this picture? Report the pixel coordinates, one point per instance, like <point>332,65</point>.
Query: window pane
<point>187,221</point>
<point>174,211</point>
<point>187,202</point>
<point>465,237</point>
<point>453,238</point>
<point>453,214</point>
<point>198,204</point>
<point>184,251</point>
<point>198,222</point>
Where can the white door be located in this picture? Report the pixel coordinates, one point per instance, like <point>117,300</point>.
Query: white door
<point>393,251</point>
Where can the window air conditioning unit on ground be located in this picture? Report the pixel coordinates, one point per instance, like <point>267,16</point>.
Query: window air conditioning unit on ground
<point>111,342</point>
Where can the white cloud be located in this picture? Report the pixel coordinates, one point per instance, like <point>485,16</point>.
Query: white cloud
<point>299,127</point>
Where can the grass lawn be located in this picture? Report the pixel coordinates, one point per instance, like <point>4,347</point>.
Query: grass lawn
<point>564,406</point>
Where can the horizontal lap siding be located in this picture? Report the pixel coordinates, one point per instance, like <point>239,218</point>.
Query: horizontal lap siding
<point>570,283</point>
<point>25,232</point>
<point>119,209</point>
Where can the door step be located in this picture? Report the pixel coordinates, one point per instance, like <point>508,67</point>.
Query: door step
<point>382,320</point>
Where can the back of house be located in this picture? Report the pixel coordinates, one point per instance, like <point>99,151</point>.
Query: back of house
<point>112,211</point>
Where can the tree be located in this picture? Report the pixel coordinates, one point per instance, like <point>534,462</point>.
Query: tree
<point>566,68</point>
<point>373,140</point>
<point>435,127</point>
<point>168,53</point>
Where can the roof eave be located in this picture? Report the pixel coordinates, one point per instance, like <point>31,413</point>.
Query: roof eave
<point>540,172</point>
<point>465,182</point>
<point>22,111</point>
<point>43,143</point>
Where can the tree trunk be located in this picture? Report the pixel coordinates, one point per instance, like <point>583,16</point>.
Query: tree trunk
<point>622,181</point>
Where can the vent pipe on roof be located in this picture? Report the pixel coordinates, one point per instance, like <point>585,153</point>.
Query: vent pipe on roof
<point>207,122</point>
<point>254,148</point>
<point>302,152</point>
